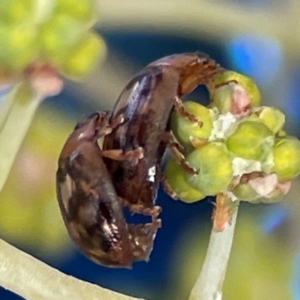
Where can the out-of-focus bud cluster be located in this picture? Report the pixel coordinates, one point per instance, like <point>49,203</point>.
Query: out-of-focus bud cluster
<point>43,32</point>
<point>241,149</point>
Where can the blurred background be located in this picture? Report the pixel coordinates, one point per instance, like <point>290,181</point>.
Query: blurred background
<point>260,38</point>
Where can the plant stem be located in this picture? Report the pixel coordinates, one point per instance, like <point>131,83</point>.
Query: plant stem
<point>210,280</point>
<point>34,280</point>
<point>19,107</point>
<point>6,102</point>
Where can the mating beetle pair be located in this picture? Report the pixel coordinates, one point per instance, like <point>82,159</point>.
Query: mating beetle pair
<point>93,184</point>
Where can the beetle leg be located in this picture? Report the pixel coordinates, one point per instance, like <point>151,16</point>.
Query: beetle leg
<point>139,208</point>
<point>226,83</point>
<point>168,189</point>
<point>180,108</point>
<point>118,154</point>
<point>177,152</point>
<point>105,126</point>
<point>142,238</point>
<point>117,121</point>
<point>181,159</point>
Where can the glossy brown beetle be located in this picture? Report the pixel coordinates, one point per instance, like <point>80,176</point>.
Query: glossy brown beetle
<point>146,104</point>
<point>90,207</point>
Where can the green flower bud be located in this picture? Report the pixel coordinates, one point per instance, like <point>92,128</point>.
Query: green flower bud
<point>82,10</point>
<point>16,11</point>
<point>273,118</point>
<point>251,140</point>
<point>177,182</point>
<point>280,191</point>
<point>185,130</point>
<point>245,192</point>
<point>58,35</point>
<point>259,185</point>
<point>222,98</point>
<point>231,97</point>
<point>18,46</point>
<point>281,133</point>
<point>84,56</point>
<point>215,168</point>
<point>243,80</point>
<point>286,155</point>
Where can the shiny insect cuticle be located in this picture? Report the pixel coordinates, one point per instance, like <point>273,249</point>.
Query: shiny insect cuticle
<point>94,184</point>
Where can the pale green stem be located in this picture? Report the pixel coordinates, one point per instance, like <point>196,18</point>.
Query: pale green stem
<point>34,280</point>
<point>15,118</point>
<point>5,106</point>
<point>209,284</point>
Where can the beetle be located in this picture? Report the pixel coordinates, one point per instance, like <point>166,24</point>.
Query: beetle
<point>146,104</point>
<point>90,206</point>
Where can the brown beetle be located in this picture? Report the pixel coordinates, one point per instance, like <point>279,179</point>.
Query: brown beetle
<point>90,207</point>
<point>146,104</point>
<point>93,184</point>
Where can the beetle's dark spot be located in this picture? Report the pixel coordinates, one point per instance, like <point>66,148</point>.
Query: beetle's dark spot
<point>105,213</point>
<point>126,171</point>
<point>106,245</point>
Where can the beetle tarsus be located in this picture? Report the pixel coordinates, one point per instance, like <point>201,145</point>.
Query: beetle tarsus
<point>141,209</point>
<point>168,189</point>
<point>119,155</point>
<point>176,149</point>
<point>180,108</point>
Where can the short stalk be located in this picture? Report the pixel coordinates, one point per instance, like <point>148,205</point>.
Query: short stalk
<point>209,284</point>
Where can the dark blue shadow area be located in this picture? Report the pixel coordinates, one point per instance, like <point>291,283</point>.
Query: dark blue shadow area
<point>7,295</point>
<point>143,48</point>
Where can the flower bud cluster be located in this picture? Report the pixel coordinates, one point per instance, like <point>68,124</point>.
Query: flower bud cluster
<point>49,32</point>
<point>241,148</point>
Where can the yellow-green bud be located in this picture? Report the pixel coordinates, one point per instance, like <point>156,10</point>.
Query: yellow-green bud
<point>213,162</point>
<point>185,130</point>
<point>18,46</point>
<point>58,35</point>
<point>245,192</point>
<point>231,97</point>
<point>175,175</point>
<point>83,57</point>
<point>82,10</point>
<point>251,140</point>
<point>286,156</point>
<point>243,80</point>
<point>273,118</point>
<point>16,11</point>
